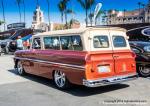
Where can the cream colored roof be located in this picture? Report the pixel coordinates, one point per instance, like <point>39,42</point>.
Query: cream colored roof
<point>78,31</point>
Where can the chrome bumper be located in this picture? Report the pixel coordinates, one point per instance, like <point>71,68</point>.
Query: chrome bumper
<point>109,81</point>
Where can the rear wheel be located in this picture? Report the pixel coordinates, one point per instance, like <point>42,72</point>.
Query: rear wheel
<point>60,80</point>
<point>20,69</point>
<point>144,71</point>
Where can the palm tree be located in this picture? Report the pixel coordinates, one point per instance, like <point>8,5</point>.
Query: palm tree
<point>18,4</point>
<point>91,15</point>
<point>1,22</point>
<point>143,5</point>
<point>68,11</point>
<point>86,4</point>
<point>62,5</point>
<point>37,2</point>
<point>61,9</point>
<point>139,3</point>
<point>48,4</point>
<point>90,4</point>
<point>24,9</point>
<point>4,20</point>
<point>65,2</point>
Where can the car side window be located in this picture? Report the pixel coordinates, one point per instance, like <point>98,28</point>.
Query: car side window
<point>119,41</point>
<point>48,43</point>
<point>36,44</point>
<point>77,43</point>
<point>65,43</point>
<point>52,43</point>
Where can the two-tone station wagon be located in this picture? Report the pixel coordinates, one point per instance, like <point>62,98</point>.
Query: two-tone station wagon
<point>89,56</point>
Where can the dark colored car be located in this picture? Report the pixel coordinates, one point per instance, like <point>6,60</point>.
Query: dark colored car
<point>142,50</point>
<point>7,46</point>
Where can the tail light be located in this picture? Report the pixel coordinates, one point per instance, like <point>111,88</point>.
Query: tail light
<point>133,54</point>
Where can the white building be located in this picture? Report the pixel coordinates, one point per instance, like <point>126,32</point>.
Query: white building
<point>141,15</point>
<point>38,20</point>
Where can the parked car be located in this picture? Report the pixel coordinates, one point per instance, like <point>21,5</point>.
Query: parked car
<point>142,50</point>
<point>8,45</point>
<point>91,57</point>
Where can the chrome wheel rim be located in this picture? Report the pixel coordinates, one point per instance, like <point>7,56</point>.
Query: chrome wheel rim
<point>20,68</point>
<point>59,78</point>
<point>144,70</point>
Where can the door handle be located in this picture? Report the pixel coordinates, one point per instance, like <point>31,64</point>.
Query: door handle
<point>115,56</point>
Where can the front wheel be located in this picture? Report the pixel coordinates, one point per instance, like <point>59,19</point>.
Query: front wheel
<point>60,80</point>
<point>20,69</point>
<point>144,71</point>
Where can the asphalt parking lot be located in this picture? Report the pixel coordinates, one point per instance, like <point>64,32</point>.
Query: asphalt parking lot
<point>36,91</point>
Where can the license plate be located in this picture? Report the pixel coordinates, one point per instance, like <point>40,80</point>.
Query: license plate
<point>103,69</point>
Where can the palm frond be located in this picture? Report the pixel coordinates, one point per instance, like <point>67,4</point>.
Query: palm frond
<point>90,3</point>
<point>70,11</point>
<point>82,3</point>
<point>1,22</point>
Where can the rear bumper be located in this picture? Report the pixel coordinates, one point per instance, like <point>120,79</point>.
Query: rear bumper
<point>109,81</point>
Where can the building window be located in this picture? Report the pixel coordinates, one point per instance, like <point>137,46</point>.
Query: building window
<point>124,19</point>
<point>129,18</point>
<point>140,18</point>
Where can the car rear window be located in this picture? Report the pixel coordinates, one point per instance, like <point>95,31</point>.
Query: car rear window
<point>101,41</point>
<point>119,41</point>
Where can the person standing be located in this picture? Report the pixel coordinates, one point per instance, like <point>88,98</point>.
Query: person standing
<point>20,43</point>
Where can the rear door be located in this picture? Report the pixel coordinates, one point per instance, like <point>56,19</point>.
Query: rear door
<point>124,59</point>
<point>101,54</point>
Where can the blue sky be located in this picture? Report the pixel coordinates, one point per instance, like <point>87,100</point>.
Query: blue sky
<point>11,9</point>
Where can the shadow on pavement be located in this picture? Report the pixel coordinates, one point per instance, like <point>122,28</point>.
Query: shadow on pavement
<point>76,90</point>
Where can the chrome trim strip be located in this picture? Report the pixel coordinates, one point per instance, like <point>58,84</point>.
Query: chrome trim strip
<point>109,81</point>
<point>55,63</point>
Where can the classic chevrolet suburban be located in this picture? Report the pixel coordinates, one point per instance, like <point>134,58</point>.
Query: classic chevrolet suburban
<point>92,57</point>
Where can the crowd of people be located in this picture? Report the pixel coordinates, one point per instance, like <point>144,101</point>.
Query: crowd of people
<point>14,45</point>
<point>21,45</point>
<point>18,44</point>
